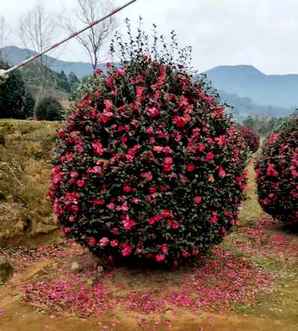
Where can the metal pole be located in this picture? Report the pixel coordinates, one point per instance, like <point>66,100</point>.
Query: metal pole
<point>4,73</point>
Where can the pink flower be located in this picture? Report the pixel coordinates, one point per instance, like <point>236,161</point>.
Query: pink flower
<point>97,148</point>
<point>153,112</point>
<point>168,164</point>
<point>128,223</point>
<point>221,172</point>
<point>179,121</point>
<point>103,242</point>
<point>105,117</point>
<point>120,72</point>
<point>271,172</point>
<point>139,91</point>
<point>160,258</point>
<point>114,243</point>
<point>98,202</point>
<point>108,104</point>
<point>173,224</point>
<point>57,208</point>
<point>115,231</point>
<point>197,200</point>
<point>147,175</point>
<point>164,248</point>
<point>221,140</point>
<point>126,250</point>
<point>81,183</point>
<point>214,218</point>
<point>127,188</point>
<point>201,147</point>
<point>190,167</point>
<point>209,156</point>
<point>91,241</point>
<point>273,138</point>
<point>95,170</point>
<point>111,206</point>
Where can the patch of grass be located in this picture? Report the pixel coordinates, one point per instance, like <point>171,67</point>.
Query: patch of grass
<point>25,155</point>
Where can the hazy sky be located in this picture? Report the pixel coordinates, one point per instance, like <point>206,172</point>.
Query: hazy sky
<point>262,33</point>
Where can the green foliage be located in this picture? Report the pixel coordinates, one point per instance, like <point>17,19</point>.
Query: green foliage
<point>15,99</point>
<point>49,109</point>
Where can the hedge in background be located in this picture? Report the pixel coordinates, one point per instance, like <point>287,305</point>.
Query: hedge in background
<point>49,109</point>
<point>277,173</point>
<point>251,138</point>
<point>148,165</point>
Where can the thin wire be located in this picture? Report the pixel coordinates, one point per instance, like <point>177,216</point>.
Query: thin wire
<point>34,57</point>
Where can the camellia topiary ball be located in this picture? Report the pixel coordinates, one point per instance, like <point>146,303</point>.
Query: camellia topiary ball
<point>251,138</point>
<point>148,166</point>
<point>277,174</point>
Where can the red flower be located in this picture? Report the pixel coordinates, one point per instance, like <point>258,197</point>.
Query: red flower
<point>271,171</point>
<point>221,140</point>
<point>98,202</point>
<point>97,148</point>
<point>201,147</point>
<point>160,258</point>
<point>103,242</point>
<point>164,248</point>
<point>127,188</point>
<point>128,223</point>
<point>209,156</point>
<point>147,175</point>
<point>126,250</point>
<point>153,112</point>
<point>81,183</point>
<point>114,243</point>
<point>139,91</point>
<point>214,218</point>
<point>197,200</point>
<point>221,172</point>
<point>120,72</point>
<point>168,164</point>
<point>179,121</point>
<point>91,241</point>
<point>190,167</point>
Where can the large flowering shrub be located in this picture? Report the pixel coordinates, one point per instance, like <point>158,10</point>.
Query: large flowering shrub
<point>251,138</point>
<point>148,165</point>
<point>277,173</point>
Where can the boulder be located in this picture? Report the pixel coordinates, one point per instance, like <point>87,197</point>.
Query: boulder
<point>6,270</point>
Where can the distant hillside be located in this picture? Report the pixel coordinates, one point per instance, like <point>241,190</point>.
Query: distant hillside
<point>243,107</point>
<point>247,81</point>
<point>246,88</point>
<point>14,55</point>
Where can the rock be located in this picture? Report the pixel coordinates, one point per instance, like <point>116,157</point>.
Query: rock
<point>6,270</point>
<point>100,269</point>
<point>75,267</point>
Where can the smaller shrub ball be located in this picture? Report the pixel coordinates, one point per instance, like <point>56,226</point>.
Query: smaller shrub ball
<point>49,109</point>
<point>251,138</point>
<point>277,173</point>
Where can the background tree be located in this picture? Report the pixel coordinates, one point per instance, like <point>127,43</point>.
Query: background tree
<point>4,32</point>
<point>73,81</point>
<point>37,29</point>
<point>15,100</point>
<point>92,40</point>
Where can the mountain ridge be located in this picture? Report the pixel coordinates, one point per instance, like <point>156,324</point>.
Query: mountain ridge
<point>245,87</point>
